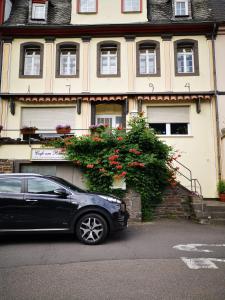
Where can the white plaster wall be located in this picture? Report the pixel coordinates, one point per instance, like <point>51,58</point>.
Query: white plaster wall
<point>198,150</point>
<point>109,12</point>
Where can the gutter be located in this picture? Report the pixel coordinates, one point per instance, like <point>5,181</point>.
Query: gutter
<point>216,102</point>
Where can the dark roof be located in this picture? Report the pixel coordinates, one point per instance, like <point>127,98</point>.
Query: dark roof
<point>59,12</point>
<point>218,10</point>
<point>159,12</point>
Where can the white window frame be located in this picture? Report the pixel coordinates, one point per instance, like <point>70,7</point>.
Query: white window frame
<point>113,117</point>
<point>38,16</point>
<point>178,11</point>
<point>86,6</point>
<point>148,53</point>
<point>168,130</point>
<point>184,54</point>
<point>131,5</point>
<point>109,56</point>
<point>33,57</point>
<point>69,58</point>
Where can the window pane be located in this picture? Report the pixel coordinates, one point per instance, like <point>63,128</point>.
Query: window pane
<point>108,62</point>
<point>131,5</point>
<point>68,62</point>
<point>32,62</point>
<point>181,8</point>
<point>179,128</point>
<point>87,5</point>
<point>10,185</point>
<point>41,186</point>
<point>38,11</point>
<point>147,61</point>
<point>159,128</point>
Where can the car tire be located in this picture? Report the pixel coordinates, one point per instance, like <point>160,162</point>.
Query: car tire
<point>92,229</point>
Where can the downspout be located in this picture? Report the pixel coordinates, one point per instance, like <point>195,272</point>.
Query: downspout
<point>216,101</point>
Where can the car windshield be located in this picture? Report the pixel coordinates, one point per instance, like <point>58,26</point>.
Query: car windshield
<point>68,184</point>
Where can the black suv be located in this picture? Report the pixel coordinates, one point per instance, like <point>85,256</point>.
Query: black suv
<point>31,202</point>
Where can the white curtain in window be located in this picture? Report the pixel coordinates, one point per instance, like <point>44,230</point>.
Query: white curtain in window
<point>172,114</point>
<point>38,11</point>
<point>87,5</point>
<point>32,62</point>
<point>68,62</point>
<point>48,118</point>
<point>108,62</point>
<point>131,5</point>
<point>147,61</point>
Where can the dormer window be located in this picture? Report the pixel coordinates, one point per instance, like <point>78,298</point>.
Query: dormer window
<point>129,6</point>
<point>181,8</point>
<point>38,11</point>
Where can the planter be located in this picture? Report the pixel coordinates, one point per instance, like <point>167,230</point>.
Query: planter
<point>63,130</point>
<point>28,131</point>
<point>119,183</point>
<point>222,197</point>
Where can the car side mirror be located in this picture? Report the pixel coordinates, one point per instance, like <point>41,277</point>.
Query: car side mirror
<point>61,192</point>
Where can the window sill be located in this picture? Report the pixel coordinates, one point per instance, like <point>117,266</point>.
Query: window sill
<point>175,136</point>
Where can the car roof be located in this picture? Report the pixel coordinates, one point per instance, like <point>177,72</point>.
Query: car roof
<point>19,174</point>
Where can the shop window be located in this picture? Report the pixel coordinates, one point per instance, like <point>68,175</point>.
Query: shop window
<point>148,58</point>
<point>67,60</point>
<point>129,6</point>
<point>169,120</point>
<point>87,6</point>
<point>186,58</point>
<point>31,60</point>
<point>108,59</point>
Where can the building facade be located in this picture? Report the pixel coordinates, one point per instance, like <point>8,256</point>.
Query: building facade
<point>84,62</point>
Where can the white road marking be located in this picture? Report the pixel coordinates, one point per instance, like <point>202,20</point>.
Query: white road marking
<point>194,247</point>
<point>201,263</point>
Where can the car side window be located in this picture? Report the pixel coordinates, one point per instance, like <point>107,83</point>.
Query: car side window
<point>41,186</point>
<point>10,185</point>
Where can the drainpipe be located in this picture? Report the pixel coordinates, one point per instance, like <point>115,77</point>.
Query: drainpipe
<point>216,101</point>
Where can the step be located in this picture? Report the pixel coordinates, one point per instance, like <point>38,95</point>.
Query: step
<point>217,221</point>
<point>217,215</point>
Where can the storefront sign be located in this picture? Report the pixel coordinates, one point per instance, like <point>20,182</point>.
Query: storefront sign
<point>48,154</point>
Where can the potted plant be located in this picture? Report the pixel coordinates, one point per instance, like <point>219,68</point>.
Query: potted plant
<point>221,189</point>
<point>63,129</point>
<point>97,129</point>
<point>28,130</point>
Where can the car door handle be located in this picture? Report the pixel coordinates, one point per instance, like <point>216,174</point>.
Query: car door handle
<point>29,200</point>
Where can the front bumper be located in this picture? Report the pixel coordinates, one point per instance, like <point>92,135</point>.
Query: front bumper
<point>120,221</point>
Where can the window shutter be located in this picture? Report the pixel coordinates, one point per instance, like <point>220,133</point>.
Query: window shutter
<point>48,118</point>
<point>177,114</point>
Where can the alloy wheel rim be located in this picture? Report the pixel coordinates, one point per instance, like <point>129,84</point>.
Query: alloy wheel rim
<point>91,229</point>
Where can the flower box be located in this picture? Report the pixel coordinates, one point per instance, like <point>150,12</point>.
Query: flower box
<point>28,130</point>
<point>60,129</point>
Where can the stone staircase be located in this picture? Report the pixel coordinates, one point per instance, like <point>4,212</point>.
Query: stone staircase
<point>215,211</point>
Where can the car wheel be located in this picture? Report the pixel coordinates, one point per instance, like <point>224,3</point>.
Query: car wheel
<point>92,229</point>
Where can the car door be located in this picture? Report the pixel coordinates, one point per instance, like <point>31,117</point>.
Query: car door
<point>12,213</point>
<point>48,209</point>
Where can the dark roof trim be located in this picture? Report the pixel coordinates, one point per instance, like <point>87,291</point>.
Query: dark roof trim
<point>106,30</point>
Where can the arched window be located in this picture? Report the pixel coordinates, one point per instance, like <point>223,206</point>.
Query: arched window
<point>186,58</point>
<point>67,60</point>
<point>108,59</point>
<point>31,60</point>
<point>148,58</point>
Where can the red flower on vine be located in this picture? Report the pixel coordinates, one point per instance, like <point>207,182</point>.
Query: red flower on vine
<point>119,138</point>
<point>90,166</point>
<point>113,157</point>
<point>119,128</point>
<point>119,167</point>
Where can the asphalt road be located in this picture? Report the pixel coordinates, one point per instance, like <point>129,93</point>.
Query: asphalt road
<point>139,263</point>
